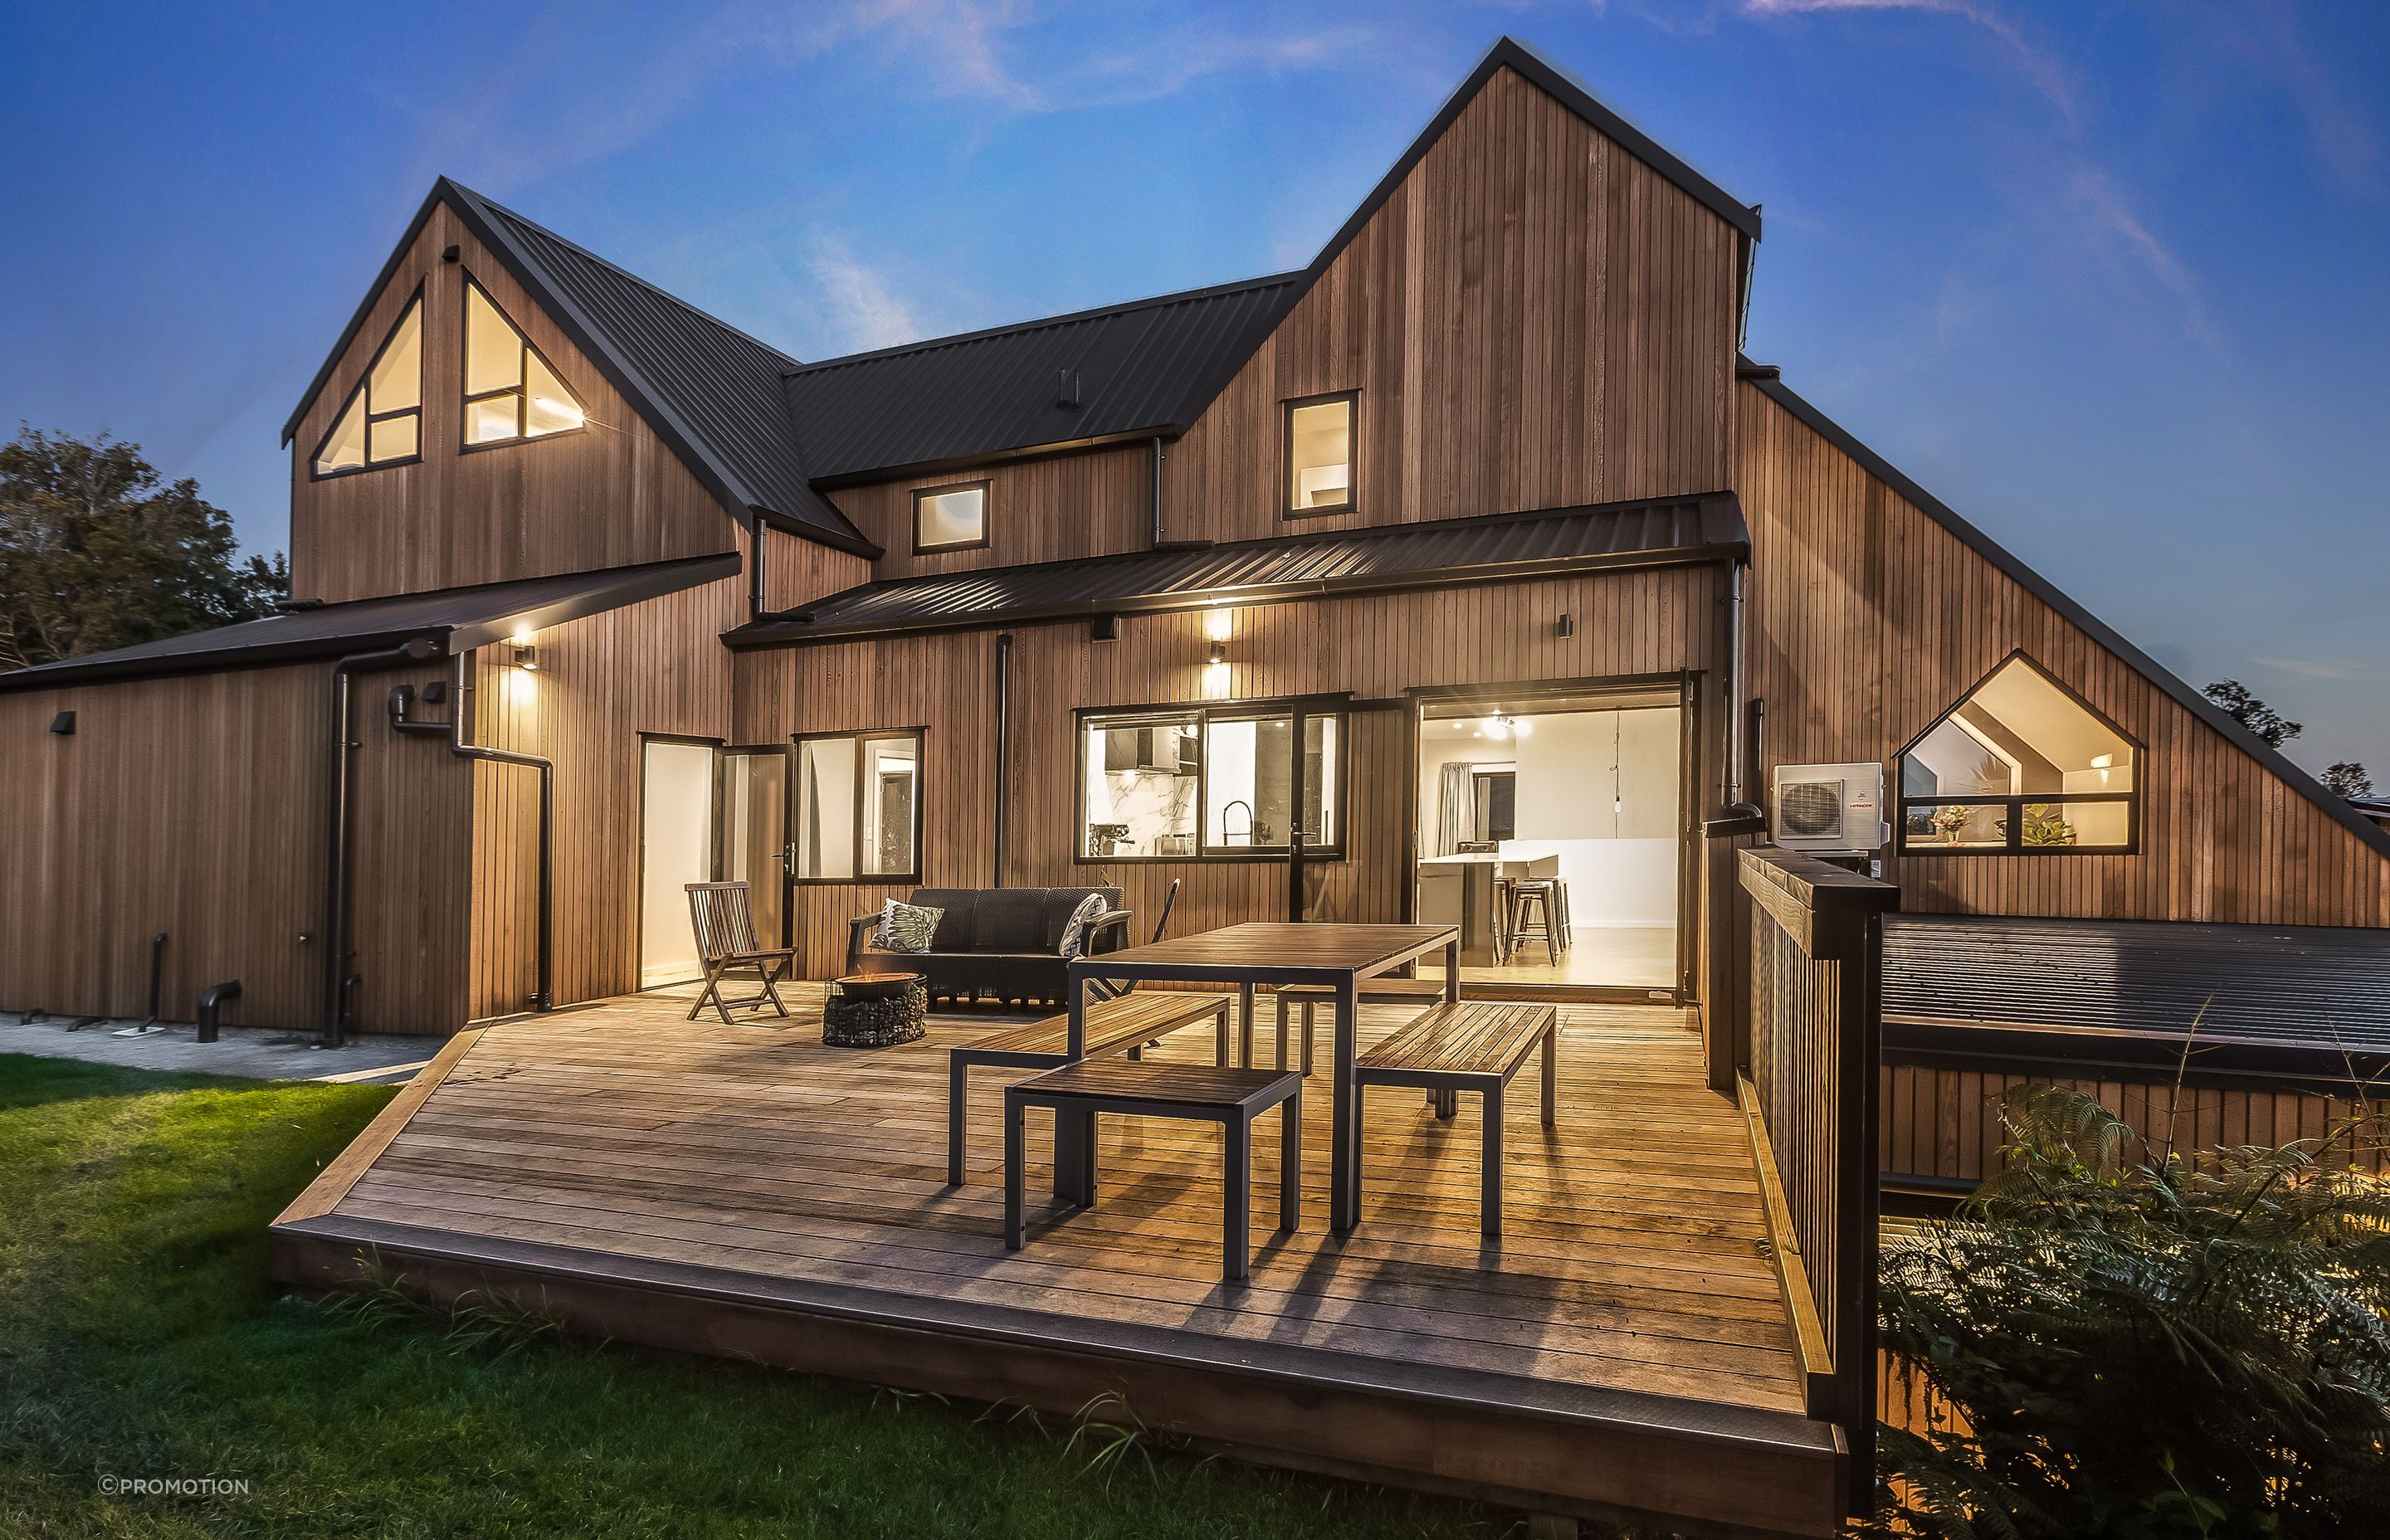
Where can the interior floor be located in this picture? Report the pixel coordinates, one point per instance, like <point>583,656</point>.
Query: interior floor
<point>1629,956</point>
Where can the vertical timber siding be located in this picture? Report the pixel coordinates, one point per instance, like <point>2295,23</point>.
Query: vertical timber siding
<point>1376,647</point>
<point>1057,507</point>
<point>612,495</point>
<point>1871,619</point>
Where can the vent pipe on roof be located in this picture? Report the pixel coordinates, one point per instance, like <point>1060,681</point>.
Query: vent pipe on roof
<point>1066,389</point>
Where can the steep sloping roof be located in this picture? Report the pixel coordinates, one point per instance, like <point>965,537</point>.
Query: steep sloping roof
<point>1150,366</point>
<point>1770,383</point>
<point>458,618</point>
<point>711,391</point>
<point>1139,369</point>
<point>1247,572</point>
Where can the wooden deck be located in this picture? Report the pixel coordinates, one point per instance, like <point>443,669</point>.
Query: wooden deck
<point>746,1191</point>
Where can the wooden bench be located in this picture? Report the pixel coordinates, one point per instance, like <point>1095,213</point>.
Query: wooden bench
<point>1124,1022</point>
<point>1231,1097</point>
<point>1310,997</point>
<point>1470,1045</point>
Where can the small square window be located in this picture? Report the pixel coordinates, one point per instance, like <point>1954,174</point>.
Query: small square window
<point>1320,455</point>
<point>950,519</point>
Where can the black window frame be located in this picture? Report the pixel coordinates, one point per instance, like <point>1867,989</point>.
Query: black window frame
<point>1203,714</point>
<point>2013,822</point>
<point>520,390</point>
<point>986,496</point>
<point>860,736</point>
<point>1287,409</point>
<point>364,390</point>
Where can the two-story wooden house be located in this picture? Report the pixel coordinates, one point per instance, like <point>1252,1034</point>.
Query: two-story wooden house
<point>1474,545</point>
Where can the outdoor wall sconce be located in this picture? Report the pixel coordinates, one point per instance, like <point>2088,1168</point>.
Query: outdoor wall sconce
<point>1104,628</point>
<point>1565,625</point>
<point>63,724</point>
<point>527,659</point>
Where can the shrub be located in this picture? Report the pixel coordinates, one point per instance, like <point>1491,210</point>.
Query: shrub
<point>2146,1349</point>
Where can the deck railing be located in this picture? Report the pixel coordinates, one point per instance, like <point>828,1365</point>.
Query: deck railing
<point>1809,1090</point>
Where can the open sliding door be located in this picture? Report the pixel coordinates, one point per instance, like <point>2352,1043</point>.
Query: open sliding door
<point>755,834</point>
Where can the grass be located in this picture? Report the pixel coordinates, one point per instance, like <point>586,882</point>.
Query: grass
<point>139,1338</point>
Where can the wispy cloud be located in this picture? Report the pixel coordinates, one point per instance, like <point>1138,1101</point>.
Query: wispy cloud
<point>857,299</point>
<point>2112,224</point>
<point>2344,137</point>
<point>2310,668</point>
<point>2042,70</point>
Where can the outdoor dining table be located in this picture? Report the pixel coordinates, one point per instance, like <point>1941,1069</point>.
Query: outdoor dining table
<point>1274,953</point>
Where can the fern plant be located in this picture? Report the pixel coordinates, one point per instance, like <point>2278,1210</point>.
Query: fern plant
<point>2145,1349</point>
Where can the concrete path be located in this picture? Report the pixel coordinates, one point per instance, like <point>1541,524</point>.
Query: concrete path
<point>257,1053</point>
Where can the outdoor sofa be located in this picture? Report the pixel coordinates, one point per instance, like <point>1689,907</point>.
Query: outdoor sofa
<point>1002,944</point>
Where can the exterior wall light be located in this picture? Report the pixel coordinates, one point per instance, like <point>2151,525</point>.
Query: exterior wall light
<point>63,724</point>
<point>526,658</point>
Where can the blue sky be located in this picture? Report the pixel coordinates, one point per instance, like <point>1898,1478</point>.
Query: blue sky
<point>2110,278</point>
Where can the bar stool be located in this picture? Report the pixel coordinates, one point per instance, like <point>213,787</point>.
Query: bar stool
<point>1568,932</point>
<point>1533,895</point>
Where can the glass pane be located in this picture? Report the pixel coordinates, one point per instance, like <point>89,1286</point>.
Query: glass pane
<point>2017,735</point>
<point>1321,438</point>
<point>344,447</point>
<point>551,408</point>
<point>826,807</point>
<point>1320,814</point>
<point>395,438</point>
<point>1959,824</point>
<point>755,813</point>
<point>492,348</point>
<point>1247,784</point>
<point>490,422</point>
<point>957,518</point>
<point>398,376</point>
<point>1140,788</point>
<point>891,786</point>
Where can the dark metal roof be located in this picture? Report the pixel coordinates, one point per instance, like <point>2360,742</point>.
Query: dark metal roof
<point>1454,550</point>
<point>458,618</point>
<point>1768,379</point>
<point>711,391</point>
<point>2248,998</point>
<point>1146,368</point>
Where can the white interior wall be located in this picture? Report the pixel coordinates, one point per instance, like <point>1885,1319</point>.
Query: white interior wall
<point>677,848</point>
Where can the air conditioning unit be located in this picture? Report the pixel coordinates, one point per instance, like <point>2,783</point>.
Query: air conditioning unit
<point>1830,808</point>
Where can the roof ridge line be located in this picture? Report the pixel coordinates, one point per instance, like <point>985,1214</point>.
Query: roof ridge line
<point>1038,323</point>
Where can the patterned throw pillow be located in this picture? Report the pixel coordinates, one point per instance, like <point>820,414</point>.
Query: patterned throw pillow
<point>1083,918</point>
<point>906,926</point>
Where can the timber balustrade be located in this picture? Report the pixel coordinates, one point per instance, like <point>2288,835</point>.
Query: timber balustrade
<point>1808,1091</point>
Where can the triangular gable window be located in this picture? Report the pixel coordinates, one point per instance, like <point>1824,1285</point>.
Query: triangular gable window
<point>510,391</point>
<point>2022,765</point>
<point>382,423</point>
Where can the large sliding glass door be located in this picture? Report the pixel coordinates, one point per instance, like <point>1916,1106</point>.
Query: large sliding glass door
<point>755,834</point>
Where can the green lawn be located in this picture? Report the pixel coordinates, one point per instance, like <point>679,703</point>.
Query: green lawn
<point>139,1338</point>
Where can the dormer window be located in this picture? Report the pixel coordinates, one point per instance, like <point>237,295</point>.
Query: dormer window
<point>1320,455</point>
<point>950,518</point>
<point>382,423</point>
<point>510,391</point>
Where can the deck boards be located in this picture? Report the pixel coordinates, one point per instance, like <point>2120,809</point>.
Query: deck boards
<point>1632,1261</point>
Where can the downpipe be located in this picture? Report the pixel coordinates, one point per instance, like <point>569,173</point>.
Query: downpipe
<point>336,904</point>
<point>401,699</point>
<point>1737,802</point>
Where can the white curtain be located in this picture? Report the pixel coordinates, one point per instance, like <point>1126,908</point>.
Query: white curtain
<point>1456,809</point>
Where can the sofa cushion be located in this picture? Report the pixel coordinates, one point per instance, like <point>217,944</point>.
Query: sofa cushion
<point>1083,918</point>
<point>959,924</point>
<point>1013,919</point>
<point>906,926</point>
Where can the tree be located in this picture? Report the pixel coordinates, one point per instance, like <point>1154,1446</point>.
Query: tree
<point>99,551</point>
<point>2347,778</point>
<point>2241,704</point>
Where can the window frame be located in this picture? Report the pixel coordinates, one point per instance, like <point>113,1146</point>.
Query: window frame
<point>1288,407</point>
<point>1203,713</point>
<point>521,389</point>
<point>861,735</point>
<point>364,389</point>
<point>2013,806</point>
<point>985,487</point>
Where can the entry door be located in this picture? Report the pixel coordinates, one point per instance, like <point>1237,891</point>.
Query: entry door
<point>675,849</point>
<point>755,835</point>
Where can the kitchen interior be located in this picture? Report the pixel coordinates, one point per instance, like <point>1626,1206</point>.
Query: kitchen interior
<point>1550,833</point>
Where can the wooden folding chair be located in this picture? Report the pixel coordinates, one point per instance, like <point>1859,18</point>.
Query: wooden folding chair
<point>724,914</point>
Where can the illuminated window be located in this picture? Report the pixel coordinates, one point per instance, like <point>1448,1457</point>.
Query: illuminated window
<point>950,519</point>
<point>1320,455</point>
<point>859,807</point>
<point>382,423</point>
<point>1165,785</point>
<point>2021,765</point>
<point>510,391</point>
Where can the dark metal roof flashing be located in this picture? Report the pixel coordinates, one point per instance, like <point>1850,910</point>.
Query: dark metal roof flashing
<point>1371,560</point>
<point>455,619</point>
<point>1768,379</point>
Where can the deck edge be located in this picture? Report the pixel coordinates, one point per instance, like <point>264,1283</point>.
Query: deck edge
<point>324,1194</point>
